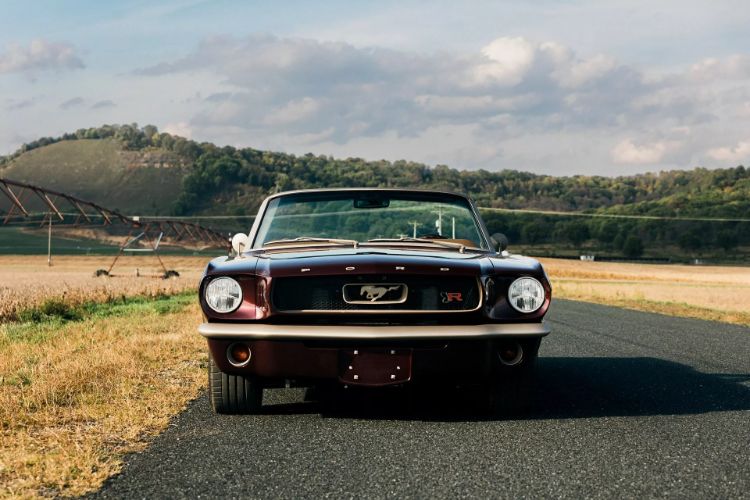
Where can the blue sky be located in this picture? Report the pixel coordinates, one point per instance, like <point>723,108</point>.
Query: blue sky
<point>569,87</point>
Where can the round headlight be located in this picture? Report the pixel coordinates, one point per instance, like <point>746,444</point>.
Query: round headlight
<point>223,295</point>
<point>526,295</point>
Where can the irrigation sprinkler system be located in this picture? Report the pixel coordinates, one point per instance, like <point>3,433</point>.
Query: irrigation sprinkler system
<point>27,205</point>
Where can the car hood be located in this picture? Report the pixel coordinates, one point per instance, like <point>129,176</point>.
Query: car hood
<point>370,261</point>
<point>374,261</point>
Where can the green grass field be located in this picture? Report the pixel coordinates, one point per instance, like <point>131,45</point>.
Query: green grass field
<point>14,240</point>
<point>18,241</point>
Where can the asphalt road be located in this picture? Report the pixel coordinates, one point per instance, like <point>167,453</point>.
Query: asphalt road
<point>630,405</point>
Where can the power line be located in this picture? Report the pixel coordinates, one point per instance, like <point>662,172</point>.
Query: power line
<point>516,210</point>
<point>489,209</point>
<point>146,217</point>
<point>612,216</point>
<point>196,217</point>
<point>521,211</point>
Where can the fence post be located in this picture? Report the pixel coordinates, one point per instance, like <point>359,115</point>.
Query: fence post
<point>49,242</point>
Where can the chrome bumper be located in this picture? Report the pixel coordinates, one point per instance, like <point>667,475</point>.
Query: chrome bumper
<point>270,332</point>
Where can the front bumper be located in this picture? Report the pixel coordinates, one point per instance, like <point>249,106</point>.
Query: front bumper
<point>263,331</point>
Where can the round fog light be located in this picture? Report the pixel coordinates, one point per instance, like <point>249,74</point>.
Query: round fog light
<point>238,354</point>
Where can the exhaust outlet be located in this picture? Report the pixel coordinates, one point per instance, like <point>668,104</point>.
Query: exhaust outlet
<point>510,353</point>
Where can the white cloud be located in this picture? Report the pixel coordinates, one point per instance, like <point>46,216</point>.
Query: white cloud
<point>743,110</point>
<point>738,153</point>
<point>181,129</point>
<point>475,105</point>
<point>628,152</point>
<point>40,55</point>
<point>734,67</point>
<point>508,61</point>
<point>304,86</point>
<point>294,111</point>
<point>572,74</point>
<point>557,53</point>
<point>332,97</point>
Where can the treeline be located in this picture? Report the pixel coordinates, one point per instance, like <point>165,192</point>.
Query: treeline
<point>232,180</point>
<point>630,238</point>
<point>700,192</point>
<point>131,137</point>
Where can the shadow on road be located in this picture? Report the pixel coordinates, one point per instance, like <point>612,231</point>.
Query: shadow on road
<point>566,388</point>
<point>594,387</point>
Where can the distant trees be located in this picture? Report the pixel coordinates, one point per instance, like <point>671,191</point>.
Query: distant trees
<point>606,230</point>
<point>727,239</point>
<point>633,246</point>
<point>690,241</point>
<point>631,238</point>
<point>574,231</point>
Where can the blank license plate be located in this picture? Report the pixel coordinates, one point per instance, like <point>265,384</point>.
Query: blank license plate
<point>375,366</point>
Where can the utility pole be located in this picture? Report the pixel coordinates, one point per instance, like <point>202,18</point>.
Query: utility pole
<point>414,224</point>
<point>49,242</point>
<point>439,221</point>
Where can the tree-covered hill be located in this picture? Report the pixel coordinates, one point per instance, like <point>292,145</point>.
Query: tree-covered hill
<point>144,171</point>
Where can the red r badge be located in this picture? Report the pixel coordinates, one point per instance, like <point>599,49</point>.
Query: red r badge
<point>451,297</point>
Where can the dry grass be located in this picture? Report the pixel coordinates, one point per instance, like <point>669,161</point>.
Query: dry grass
<point>75,398</point>
<point>27,281</point>
<point>715,293</point>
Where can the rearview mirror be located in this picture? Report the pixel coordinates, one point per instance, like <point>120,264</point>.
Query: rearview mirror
<point>500,241</point>
<point>371,202</point>
<point>239,243</point>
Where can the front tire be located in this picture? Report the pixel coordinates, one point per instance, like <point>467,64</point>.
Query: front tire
<point>233,394</point>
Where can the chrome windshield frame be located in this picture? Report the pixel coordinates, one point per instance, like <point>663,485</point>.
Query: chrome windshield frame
<point>322,194</point>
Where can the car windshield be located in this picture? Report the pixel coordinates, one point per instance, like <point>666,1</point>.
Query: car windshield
<point>360,217</point>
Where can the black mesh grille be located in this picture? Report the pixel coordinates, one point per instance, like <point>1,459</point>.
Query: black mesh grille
<point>325,293</point>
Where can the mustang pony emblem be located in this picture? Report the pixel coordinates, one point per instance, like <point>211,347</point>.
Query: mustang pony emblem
<point>373,293</point>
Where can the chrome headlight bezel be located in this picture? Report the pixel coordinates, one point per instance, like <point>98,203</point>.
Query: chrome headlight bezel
<point>219,291</point>
<point>527,288</point>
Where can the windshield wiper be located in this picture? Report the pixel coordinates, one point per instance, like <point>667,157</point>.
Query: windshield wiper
<point>310,239</point>
<point>354,243</point>
<point>444,244</point>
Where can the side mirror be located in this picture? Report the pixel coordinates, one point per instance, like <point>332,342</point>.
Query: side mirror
<point>239,243</point>
<point>500,241</point>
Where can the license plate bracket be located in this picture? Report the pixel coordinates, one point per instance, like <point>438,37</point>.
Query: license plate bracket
<point>375,367</point>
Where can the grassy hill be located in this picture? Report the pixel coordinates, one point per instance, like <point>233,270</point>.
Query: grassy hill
<point>136,182</point>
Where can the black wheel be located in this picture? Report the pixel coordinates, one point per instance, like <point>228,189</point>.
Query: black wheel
<point>511,388</point>
<point>101,272</point>
<point>171,274</point>
<point>233,393</point>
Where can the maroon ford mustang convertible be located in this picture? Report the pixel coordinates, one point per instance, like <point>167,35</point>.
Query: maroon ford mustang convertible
<point>371,287</point>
